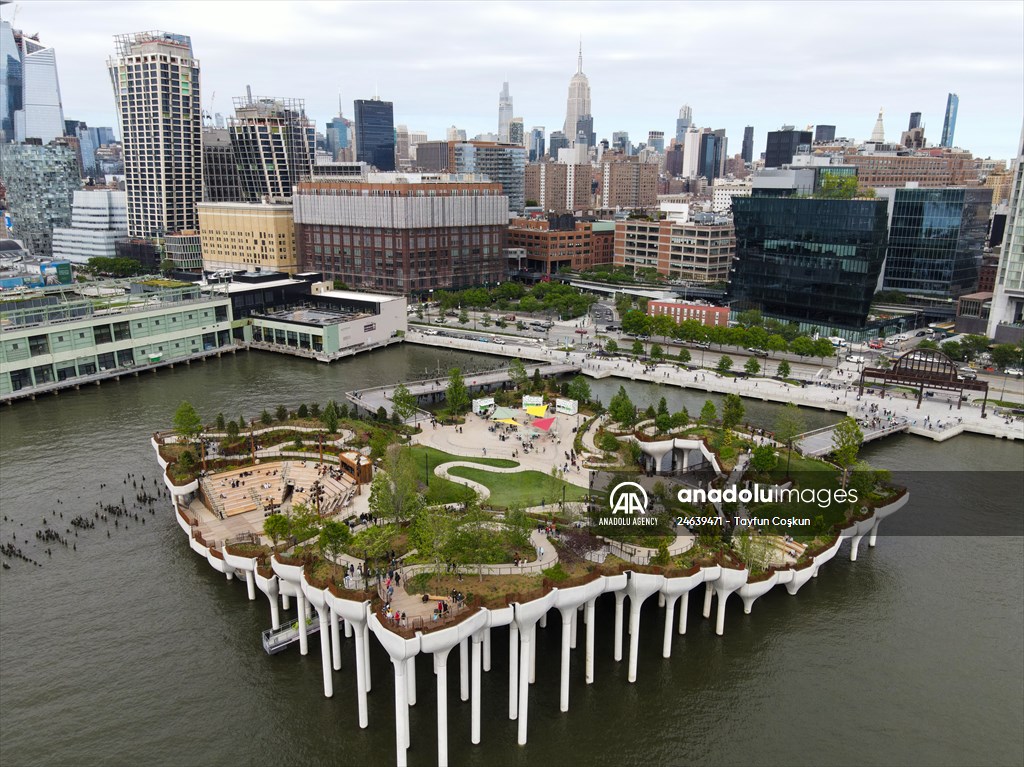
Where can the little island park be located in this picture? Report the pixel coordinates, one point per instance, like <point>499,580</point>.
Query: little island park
<point>430,524</point>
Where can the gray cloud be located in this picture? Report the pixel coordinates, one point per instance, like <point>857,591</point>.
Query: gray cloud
<point>762,63</point>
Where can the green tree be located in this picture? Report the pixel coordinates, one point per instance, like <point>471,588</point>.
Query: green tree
<point>928,344</point>
<point>266,418</point>
<point>823,348</point>
<point>221,424</point>
<point>802,346</point>
<point>657,352</point>
<point>456,393</point>
<point>708,414</point>
<point>330,417</point>
<point>752,366</point>
<point>750,318</point>
<point>281,413</point>
<point>314,410</point>
<point>403,402</point>
<point>303,411</point>
<point>463,317</point>
<point>379,443</point>
<point>621,408</point>
<point>663,422</point>
<point>663,325</point>
<point>277,527</point>
<point>835,187</point>
<point>789,423</point>
<point>394,491</point>
<point>636,323</point>
<point>638,348</point>
<point>334,535</point>
<point>232,430</point>
<point>763,458</point>
<point>846,441</point>
<point>953,350</point>
<point>684,355</point>
<point>187,423</point>
<point>579,389</point>
<point>732,411</point>
<point>432,533</point>
<point>538,382</point>
<point>776,343</point>
<point>724,364</point>
<point>680,418</point>
<point>1007,356</point>
<point>973,345</point>
<point>611,346</point>
<point>662,406</point>
<point>783,370</point>
<point>517,374</point>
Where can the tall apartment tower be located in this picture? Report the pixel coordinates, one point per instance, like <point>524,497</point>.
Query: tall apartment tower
<point>375,133</point>
<point>536,145</point>
<point>273,142</point>
<point>577,104</point>
<point>747,149</point>
<point>949,123</point>
<point>915,121</point>
<point>1007,313</point>
<point>504,113</point>
<point>516,132</point>
<point>156,87</point>
<point>683,122</point>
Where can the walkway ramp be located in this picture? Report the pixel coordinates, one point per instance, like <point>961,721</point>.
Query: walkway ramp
<point>818,443</point>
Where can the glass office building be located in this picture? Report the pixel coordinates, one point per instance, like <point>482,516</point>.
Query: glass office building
<point>810,261</point>
<point>936,238</point>
<point>375,133</point>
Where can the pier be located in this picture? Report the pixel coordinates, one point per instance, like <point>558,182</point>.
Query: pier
<point>817,443</point>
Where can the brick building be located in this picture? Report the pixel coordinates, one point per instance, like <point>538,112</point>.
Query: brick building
<point>559,242</point>
<point>701,250</point>
<point>709,316</point>
<point>403,232</point>
<point>559,187</point>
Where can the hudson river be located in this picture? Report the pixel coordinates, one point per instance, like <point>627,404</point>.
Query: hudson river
<point>132,650</point>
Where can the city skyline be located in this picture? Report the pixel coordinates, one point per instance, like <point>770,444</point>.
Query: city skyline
<point>349,49</point>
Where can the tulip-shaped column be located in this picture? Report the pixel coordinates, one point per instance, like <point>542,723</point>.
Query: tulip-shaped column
<point>356,614</point>
<point>292,575</point>
<point>246,566</point>
<point>882,512</point>
<point>749,592</point>
<point>612,584</point>
<point>400,650</point>
<point>727,582</point>
<point>440,644</point>
<point>568,602</point>
<point>639,587</point>
<point>323,610</point>
<point>526,616</point>
<point>268,585</point>
<point>672,589</point>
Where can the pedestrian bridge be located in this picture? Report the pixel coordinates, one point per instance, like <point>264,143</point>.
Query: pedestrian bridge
<point>817,443</point>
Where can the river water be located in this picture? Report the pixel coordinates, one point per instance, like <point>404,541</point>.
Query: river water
<point>132,650</point>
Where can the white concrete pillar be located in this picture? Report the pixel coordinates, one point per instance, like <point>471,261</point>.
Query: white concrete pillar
<point>366,655</point>
<point>401,713</point>
<point>589,618</point>
<point>487,649</point>
<point>441,674</point>
<point>325,651</point>
<point>275,613</point>
<point>525,641</point>
<point>464,669</point>
<point>543,622</point>
<point>513,671</point>
<point>670,614</point>
<point>567,616</point>
<point>410,678</point>
<point>709,590</point>
<point>720,619</point>
<point>335,640</point>
<point>572,628</point>
<point>874,534</point>
<point>854,546</point>
<point>250,584</point>
<point>362,676</point>
<point>300,614</point>
<point>474,705</point>
<point>661,599</point>
<point>684,607</point>
<point>634,636</point>
<point>619,596</point>
<point>348,629</point>
<point>533,654</point>
<point>286,602</point>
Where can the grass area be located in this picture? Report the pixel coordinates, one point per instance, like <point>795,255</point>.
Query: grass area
<point>491,589</point>
<point>1001,402</point>
<point>444,490</point>
<point>521,488</point>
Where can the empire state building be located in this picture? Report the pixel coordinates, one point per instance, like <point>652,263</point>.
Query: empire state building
<point>577,106</point>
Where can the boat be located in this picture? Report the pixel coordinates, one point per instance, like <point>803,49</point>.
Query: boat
<point>276,640</point>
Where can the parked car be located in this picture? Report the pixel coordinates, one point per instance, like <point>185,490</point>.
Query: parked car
<point>757,352</point>
<point>968,374</point>
<point>922,333</point>
<point>876,344</point>
<point>1014,372</point>
<point>855,358</point>
<point>702,344</point>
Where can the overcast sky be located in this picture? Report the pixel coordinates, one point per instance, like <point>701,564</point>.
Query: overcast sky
<point>762,63</point>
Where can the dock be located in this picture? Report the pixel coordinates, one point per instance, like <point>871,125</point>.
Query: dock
<point>817,443</point>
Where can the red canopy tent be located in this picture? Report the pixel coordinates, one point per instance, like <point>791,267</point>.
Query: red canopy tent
<point>543,423</point>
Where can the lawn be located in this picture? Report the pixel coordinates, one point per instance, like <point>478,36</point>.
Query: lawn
<point>521,488</point>
<point>444,490</point>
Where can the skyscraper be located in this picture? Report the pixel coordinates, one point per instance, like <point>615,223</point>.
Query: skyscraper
<point>41,182</point>
<point>273,142</point>
<point>949,123</point>
<point>683,122</point>
<point>712,156</point>
<point>656,141</point>
<point>915,121</point>
<point>504,113</point>
<point>578,102</point>
<point>585,131</point>
<point>782,145</point>
<point>515,131</point>
<point>375,133</point>
<point>220,169</point>
<point>536,145</point>
<point>339,134</point>
<point>747,150</point>
<point>156,87</point>
<point>824,133</point>
<point>878,134</point>
<point>1007,314</point>
<point>30,106</point>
